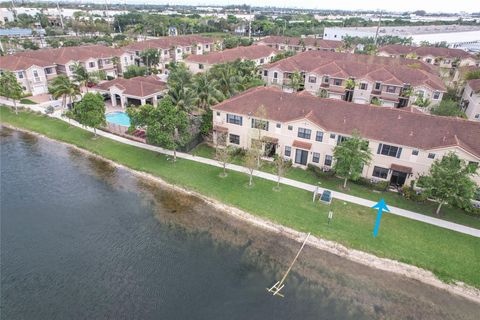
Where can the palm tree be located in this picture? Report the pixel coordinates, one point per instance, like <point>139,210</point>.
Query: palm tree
<point>82,76</point>
<point>61,86</point>
<point>229,82</point>
<point>182,97</point>
<point>206,91</point>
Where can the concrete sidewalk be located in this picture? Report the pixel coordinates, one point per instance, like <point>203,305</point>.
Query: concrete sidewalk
<point>294,183</point>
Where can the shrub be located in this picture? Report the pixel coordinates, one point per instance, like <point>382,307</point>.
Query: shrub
<point>318,171</point>
<point>374,185</point>
<point>239,152</point>
<point>410,194</point>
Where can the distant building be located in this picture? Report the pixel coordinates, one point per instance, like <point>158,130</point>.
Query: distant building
<point>298,44</point>
<point>442,57</point>
<point>172,49</point>
<point>172,31</point>
<point>20,33</point>
<point>259,54</point>
<point>471,100</point>
<point>453,35</point>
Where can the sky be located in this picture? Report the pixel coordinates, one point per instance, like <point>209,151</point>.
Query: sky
<point>448,6</point>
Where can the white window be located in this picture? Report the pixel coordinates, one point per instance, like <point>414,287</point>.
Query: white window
<point>363,86</point>
<point>312,79</point>
<point>91,64</point>
<point>436,95</point>
<point>20,75</point>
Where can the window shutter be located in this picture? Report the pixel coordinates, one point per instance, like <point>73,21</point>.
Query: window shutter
<point>379,148</point>
<point>399,152</point>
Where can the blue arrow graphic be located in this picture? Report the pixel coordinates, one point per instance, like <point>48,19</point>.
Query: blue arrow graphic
<point>381,205</point>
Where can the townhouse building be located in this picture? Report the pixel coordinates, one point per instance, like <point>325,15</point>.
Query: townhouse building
<point>93,57</point>
<point>32,74</point>
<point>260,55</point>
<point>471,100</point>
<point>359,78</point>
<point>34,69</point>
<point>299,44</point>
<point>440,57</point>
<point>306,129</point>
<point>172,49</point>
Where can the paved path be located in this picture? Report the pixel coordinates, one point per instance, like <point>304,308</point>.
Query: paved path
<point>294,183</point>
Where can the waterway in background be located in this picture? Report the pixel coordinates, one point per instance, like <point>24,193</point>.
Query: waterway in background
<point>81,239</point>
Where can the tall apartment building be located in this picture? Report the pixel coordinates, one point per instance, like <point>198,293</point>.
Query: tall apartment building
<point>34,69</point>
<point>299,44</point>
<point>378,80</point>
<point>471,100</point>
<point>172,49</point>
<point>305,129</point>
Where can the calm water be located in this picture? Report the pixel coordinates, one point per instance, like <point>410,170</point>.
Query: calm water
<point>83,240</point>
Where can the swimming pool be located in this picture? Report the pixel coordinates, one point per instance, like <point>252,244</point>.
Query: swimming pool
<point>118,117</point>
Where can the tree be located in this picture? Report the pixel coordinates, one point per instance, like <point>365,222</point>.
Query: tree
<point>206,91</point>
<point>350,157</point>
<point>471,75</point>
<point>10,88</point>
<point>448,108</point>
<point>90,111</point>
<point>322,93</point>
<point>223,153</point>
<point>296,81</point>
<point>449,181</point>
<point>134,71</point>
<point>83,77</point>
<point>166,124</point>
<point>283,55</point>
<point>61,86</point>
<point>251,163</point>
<point>422,102</point>
<point>281,165</point>
<point>150,57</point>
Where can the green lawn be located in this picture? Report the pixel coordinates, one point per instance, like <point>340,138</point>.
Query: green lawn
<point>449,213</point>
<point>450,255</point>
<point>27,101</point>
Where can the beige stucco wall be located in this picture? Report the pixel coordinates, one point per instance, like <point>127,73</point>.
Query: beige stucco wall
<point>473,109</point>
<point>420,164</point>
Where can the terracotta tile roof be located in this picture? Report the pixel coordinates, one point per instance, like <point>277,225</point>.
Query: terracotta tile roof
<point>137,86</point>
<point>17,63</point>
<point>296,41</point>
<point>66,54</point>
<point>401,127</point>
<point>398,49</point>
<point>168,42</point>
<point>475,85</point>
<point>243,53</point>
<point>302,145</point>
<point>393,71</point>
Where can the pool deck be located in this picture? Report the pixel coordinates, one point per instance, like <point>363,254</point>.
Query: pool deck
<point>109,108</point>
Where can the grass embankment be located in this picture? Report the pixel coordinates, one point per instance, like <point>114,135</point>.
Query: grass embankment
<point>448,213</point>
<point>450,255</point>
<point>27,101</point>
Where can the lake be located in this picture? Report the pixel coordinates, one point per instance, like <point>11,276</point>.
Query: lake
<point>81,239</point>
